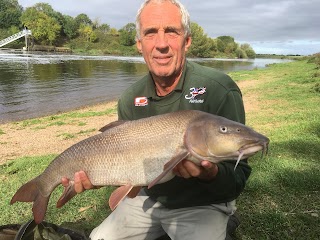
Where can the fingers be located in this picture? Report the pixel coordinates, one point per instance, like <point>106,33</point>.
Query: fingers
<point>210,171</point>
<point>188,169</point>
<point>181,170</point>
<point>81,182</point>
<point>207,164</point>
<point>65,182</point>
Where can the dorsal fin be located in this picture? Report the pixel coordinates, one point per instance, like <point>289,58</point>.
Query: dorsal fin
<point>112,125</point>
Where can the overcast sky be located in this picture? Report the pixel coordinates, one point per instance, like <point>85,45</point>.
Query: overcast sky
<point>269,26</point>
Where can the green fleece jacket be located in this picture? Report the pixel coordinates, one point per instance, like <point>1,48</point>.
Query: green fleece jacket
<point>200,88</point>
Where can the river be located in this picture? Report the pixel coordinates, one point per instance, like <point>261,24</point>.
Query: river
<point>34,84</point>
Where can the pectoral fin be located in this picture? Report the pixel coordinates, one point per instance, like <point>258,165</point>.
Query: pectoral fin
<point>134,192</point>
<point>120,193</point>
<point>69,192</point>
<point>169,166</point>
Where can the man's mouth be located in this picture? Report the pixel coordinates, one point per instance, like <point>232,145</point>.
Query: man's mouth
<point>162,60</point>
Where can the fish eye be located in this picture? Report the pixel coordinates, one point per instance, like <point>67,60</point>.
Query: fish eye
<point>238,130</point>
<point>223,129</point>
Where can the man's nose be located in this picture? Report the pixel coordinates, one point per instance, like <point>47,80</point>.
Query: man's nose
<point>161,40</point>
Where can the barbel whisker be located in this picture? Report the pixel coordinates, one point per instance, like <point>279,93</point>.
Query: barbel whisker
<point>238,160</point>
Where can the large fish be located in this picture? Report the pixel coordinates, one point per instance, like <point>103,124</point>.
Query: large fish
<point>143,152</point>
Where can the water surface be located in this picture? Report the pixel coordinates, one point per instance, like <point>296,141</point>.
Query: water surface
<point>33,85</point>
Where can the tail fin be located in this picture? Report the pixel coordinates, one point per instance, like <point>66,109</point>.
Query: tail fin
<point>29,192</point>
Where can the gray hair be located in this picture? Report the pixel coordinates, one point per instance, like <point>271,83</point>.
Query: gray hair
<point>185,17</point>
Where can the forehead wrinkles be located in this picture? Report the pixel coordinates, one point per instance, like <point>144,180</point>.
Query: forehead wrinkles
<point>159,17</point>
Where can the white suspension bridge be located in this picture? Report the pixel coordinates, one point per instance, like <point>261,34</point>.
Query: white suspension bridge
<point>24,33</point>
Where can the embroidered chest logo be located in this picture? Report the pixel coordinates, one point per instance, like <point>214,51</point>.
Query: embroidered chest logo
<point>140,101</point>
<point>194,92</point>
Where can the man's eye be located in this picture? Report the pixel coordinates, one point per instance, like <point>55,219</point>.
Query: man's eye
<point>172,32</point>
<point>150,33</point>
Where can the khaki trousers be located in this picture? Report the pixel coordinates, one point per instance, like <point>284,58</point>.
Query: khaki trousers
<point>141,218</point>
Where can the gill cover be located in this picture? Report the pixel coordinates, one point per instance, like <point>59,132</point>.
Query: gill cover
<point>196,139</point>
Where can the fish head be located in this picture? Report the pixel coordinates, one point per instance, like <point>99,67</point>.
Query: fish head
<point>215,139</point>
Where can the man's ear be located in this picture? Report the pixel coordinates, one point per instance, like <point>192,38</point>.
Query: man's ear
<point>139,46</point>
<point>188,43</point>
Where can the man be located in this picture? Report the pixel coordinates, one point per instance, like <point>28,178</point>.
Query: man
<point>197,203</point>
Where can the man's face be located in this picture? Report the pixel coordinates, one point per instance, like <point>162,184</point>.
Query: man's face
<point>162,41</point>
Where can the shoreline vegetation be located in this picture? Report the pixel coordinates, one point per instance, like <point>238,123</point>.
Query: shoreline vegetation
<point>281,199</point>
<point>80,34</point>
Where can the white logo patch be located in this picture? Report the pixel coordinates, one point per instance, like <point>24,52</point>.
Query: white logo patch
<point>194,92</point>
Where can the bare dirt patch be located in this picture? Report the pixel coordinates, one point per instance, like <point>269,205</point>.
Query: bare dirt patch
<point>17,140</point>
<point>250,98</point>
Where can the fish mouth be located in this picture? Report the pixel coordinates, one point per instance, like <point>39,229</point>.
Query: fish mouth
<point>251,149</point>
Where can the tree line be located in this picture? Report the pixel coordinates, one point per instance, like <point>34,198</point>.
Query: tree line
<point>82,34</point>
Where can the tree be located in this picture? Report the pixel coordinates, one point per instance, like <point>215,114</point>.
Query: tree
<point>45,8</point>
<point>226,39</point>
<point>70,26</point>
<point>227,44</point>
<point>221,46</point>
<point>248,49</point>
<point>104,28</point>
<point>10,13</point>
<point>127,35</point>
<point>230,48</point>
<point>202,45</point>
<point>114,32</point>
<point>87,33</point>
<point>44,28</point>
<point>240,53</point>
<point>251,53</point>
<point>83,19</point>
<point>49,11</point>
<point>95,23</point>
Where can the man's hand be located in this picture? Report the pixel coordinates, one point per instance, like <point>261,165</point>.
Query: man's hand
<point>187,169</point>
<point>81,182</point>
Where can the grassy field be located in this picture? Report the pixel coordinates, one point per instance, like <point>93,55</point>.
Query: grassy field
<point>281,199</point>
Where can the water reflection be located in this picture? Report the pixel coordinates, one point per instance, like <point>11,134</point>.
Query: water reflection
<point>33,85</point>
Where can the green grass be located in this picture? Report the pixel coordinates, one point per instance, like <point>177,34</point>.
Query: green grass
<point>281,199</point>
<point>66,136</point>
<point>73,117</point>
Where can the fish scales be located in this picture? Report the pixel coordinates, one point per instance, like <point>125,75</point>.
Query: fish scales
<point>138,142</point>
<point>142,153</point>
